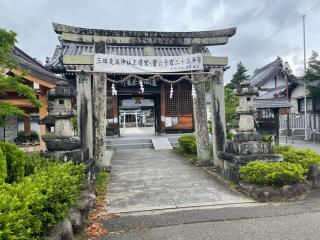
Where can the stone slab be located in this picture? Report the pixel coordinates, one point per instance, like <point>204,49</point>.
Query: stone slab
<point>161,144</point>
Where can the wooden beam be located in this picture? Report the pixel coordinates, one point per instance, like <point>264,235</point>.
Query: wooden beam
<point>43,112</point>
<point>31,78</point>
<point>18,102</point>
<point>27,125</point>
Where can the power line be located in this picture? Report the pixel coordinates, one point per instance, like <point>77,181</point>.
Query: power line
<point>293,21</point>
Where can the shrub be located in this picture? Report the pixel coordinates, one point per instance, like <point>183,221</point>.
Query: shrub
<point>267,138</point>
<point>100,183</point>
<point>272,173</point>
<point>188,143</point>
<point>21,138</point>
<point>303,157</point>
<point>3,167</point>
<point>31,207</point>
<point>281,148</point>
<point>15,161</point>
<point>34,136</point>
<point>60,184</point>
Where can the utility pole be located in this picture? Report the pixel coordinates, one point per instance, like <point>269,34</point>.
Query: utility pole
<point>304,76</point>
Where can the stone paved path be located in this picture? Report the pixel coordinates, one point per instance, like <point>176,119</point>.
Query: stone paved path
<point>145,179</point>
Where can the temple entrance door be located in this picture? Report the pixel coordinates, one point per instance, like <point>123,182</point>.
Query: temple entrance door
<point>138,114</point>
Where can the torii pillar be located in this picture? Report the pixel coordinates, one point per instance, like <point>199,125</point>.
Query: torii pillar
<point>218,113</point>
<point>200,116</point>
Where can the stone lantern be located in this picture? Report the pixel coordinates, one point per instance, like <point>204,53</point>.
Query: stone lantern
<point>60,140</point>
<point>246,109</point>
<point>247,144</point>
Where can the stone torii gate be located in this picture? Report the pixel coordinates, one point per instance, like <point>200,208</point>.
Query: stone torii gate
<point>91,86</point>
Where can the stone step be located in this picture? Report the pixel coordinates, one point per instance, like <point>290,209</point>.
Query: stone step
<point>130,146</point>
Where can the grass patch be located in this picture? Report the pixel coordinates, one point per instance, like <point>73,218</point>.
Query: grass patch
<point>100,184</point>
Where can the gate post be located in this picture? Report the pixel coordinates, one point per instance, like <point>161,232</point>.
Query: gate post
<point>84,109</point>
<point>200,121</point>
<point>99,123</point>
<point>218,114</point>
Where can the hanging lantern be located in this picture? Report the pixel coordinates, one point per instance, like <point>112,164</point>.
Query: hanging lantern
<point>113,89</point>
<point>193,92</point>
<point>171,92</point>
<point>141,86</point>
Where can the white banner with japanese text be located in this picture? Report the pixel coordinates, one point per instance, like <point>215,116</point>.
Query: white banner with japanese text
<point>147,64</point>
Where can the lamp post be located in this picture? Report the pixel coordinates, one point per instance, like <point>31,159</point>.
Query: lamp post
<point>304,77</point>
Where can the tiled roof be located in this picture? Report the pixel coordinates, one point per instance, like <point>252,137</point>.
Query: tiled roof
<point>262,74</point>
<point>73,49</point>
<point>273,93</point>
<point>27,63</point>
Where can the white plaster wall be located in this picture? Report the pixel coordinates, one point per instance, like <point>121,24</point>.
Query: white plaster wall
<point>271,83</point>
<point>297,93</point>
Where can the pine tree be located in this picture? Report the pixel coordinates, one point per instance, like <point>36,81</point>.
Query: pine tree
<point>7,42</point>
<point>238,77</point>
<point>313,74</point>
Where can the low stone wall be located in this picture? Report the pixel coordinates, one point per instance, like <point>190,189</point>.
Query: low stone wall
<point>76,219</point>
<point>286,192</point>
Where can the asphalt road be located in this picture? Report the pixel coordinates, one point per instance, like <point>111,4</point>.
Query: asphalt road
<point>244,221</point>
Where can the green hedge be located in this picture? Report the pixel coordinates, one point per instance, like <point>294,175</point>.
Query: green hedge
<point>15,161</point>
<point>304,157</point>
<point>272,173</point>
<point>32,205</point>
<point>188,143</point>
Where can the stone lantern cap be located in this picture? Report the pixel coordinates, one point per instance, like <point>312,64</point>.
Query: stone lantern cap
<point>246,90</point>
<point>63,90</point>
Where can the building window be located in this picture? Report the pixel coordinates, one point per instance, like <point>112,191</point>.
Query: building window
<point>316,104</point>
<point>301,105</point>
<point>61,102</point>
<point>265,113</point>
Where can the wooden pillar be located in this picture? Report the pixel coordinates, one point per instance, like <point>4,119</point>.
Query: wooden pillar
<point>218,114</point>
<point>99,122</point>
<point>200,120</point>
<point>84,110</point>
<point>43,112</point>
<point>277,136</point>
<point>27,126</point>
<point>115,114</point>
<point>162,108</point>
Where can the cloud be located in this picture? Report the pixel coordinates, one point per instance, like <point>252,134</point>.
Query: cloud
<point>255,21</point>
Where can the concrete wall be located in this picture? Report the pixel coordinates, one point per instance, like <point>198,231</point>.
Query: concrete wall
<point>10,131</point>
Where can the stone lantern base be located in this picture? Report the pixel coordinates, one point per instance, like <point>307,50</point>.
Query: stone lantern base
<point>246,147</point>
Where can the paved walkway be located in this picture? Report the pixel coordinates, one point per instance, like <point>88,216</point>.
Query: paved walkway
<point>301,144</point>
<point>145,179</point>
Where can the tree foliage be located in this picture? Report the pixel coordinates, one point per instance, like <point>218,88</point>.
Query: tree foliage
<point>238,77</point>
<point>7,42</point>
<point>231,104</point>
<point>313,74</point>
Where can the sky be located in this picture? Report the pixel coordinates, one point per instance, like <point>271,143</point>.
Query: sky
<point>261,35</point>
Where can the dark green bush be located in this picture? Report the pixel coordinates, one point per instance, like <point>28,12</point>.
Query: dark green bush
<point>31,207</point>
<point>188,143</point>
<point>272,173</point>
<point>34,136</point>
<point>15,160</point>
